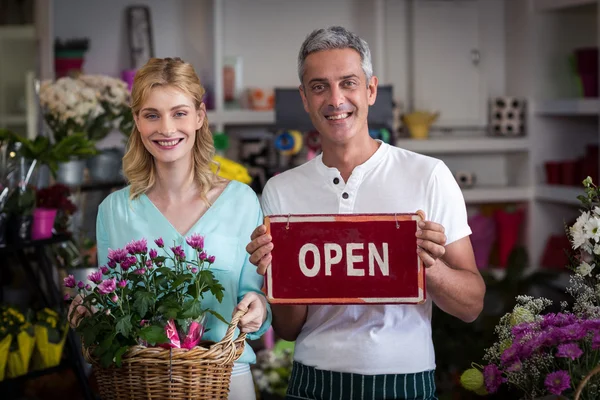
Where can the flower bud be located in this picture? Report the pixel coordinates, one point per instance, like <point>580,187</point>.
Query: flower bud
<point>472,379</point>
<point>520,315</point>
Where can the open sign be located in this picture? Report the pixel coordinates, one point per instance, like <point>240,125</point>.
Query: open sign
<point>345,259</point>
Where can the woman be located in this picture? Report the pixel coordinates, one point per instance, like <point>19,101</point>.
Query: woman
<point>172,194</point>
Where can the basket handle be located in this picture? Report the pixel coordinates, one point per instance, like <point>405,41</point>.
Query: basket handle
<point>232,326</point>
<point>585,381</point>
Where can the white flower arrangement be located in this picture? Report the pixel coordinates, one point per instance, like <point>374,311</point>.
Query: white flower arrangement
<point>90,104</point>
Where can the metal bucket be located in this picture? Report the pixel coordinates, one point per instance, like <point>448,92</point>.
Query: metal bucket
<point>70,173</point>
<point>106,166</point>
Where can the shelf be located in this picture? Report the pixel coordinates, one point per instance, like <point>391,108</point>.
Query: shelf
<point>569,107</point>
<point>551,5</point>
<point>11,247</point>
<point>17,32</point>
<point>98,186</point>
<point>559,194</point>
<point>13,119</point>
<point>241,117</point>
<point>495,194</point>
<point>465,145</point>
<point>34,374</point>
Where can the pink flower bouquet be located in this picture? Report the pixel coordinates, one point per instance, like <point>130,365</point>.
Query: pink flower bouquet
<point>141,297</point>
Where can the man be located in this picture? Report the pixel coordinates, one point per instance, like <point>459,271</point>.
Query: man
<point>367,351</point>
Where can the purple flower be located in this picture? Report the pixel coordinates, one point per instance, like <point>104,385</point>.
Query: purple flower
<point>95,277</point>
<point>492,378</point>
<point>112,264</point>
<point>139,271</point>
<point>80,285</point>
<point>528,348</point>
<point>137,247</point>
<point>557,320</point>
<point>195,241</point>
<point>574,331</point>
<point>569,350</point>
<point>128,262</point>
<point>194,270</point>
<point>516,367</point>
<point>69,281</point>
<point>153,253</point>
<point>122,283</point>
<point>107,286</point>
<point>114,298</point>
<point>67,297</point>
<point>592,324</point>
<point>211,259</point>
<point>159,242</point>
<point>178,252</point>
<point>104,270</point>
<point>523,329</point>
<point>557,382</point>
<point>88,287</point>
<point>117,255</point>
<point>203,256</point>
<point>509,356</point>
<point>149,263</point>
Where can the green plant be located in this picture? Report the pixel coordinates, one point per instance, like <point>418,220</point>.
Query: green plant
<point>143,298</point>
<point>20,202</point>
<point>273,368</point>
<point>47,153</point>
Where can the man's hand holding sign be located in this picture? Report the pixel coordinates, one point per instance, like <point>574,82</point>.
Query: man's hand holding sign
<point>335,259</point>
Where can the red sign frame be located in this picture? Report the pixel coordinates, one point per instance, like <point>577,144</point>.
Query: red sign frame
<point>310,254</point>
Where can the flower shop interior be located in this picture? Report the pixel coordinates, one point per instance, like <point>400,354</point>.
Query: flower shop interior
<point>505,92</point>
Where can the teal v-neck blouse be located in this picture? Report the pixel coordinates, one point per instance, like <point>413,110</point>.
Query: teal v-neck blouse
<point>226,227</point>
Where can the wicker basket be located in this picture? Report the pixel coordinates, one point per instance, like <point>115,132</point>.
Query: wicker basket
<point>585,381</point>
<point>157,373</point>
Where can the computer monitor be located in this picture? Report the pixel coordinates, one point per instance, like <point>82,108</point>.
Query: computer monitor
<point>290,114</point>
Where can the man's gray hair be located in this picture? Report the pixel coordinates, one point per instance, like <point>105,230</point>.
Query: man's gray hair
<point>335,37</point>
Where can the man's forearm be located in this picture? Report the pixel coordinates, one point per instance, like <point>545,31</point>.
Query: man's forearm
<point>458,292</point>
<point>288,320</point>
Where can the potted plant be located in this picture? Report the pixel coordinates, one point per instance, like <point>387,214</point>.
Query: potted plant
<point>51,329</point>
<point>17,326</point>
<point>90,104</point>
<point>53,202</point>
<point>537,353</point>
<point>147,309</point>
<point>19,208</point>
<point>42,151</point>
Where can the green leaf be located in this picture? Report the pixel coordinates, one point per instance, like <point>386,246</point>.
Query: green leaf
<point>104,345</point>
<point>169,307</point>
<point>124,325</point>
<point>218,316</point>
<point>217,291</point>
<point>143,302</point>
<point>122,350</point>
<point>89,336</point>
<point>192,290</point>
<point>158,259</point>
<point>153,334</point>
<point>181,280</point>
<point>164,271</point>
<point>192,309</point>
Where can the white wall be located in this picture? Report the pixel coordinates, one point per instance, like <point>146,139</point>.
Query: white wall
<point>267,35</point>
<point>104,23</point>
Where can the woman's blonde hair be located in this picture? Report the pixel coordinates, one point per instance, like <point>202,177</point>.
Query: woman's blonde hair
<point>138,163</point>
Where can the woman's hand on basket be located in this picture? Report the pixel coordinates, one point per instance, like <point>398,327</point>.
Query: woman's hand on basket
<point>76,311</point>
<point>256,304</point>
